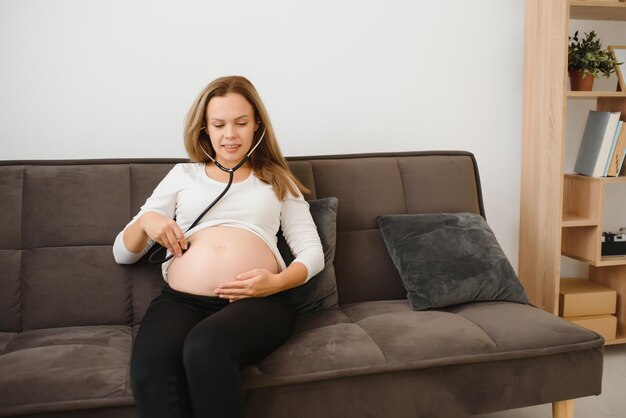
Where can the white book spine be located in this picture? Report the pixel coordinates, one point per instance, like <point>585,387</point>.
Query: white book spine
<point>609,133</point>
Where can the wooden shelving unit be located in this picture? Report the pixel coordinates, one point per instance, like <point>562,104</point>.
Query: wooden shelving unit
<point>583,199</point>
<point>561,214</point>
<point>586,95</point>
<point>598,10</point>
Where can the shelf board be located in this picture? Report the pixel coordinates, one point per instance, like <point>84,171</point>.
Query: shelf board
<point>592,95</point>
<point>611,260</point>
<point>597,10</point>
<point>606,261</point>
<point>580,177</point>
<point>573,221</point>
<point>575,257</point>
<point>621,179</point>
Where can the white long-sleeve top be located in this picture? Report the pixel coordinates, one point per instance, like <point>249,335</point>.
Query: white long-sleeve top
<point>249,204</point>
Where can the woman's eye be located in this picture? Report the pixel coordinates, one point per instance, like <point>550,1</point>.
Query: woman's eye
<point>218,126</point>
<point>242,124</point>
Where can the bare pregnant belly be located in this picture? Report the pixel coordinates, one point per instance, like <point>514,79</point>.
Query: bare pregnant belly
<point>217,255</point>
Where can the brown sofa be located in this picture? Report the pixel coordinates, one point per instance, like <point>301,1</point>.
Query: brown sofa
<point>68,312</point>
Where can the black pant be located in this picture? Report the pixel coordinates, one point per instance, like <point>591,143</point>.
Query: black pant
<point>187,354</point>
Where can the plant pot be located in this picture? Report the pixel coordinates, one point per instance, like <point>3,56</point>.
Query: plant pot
<point>578,83</point>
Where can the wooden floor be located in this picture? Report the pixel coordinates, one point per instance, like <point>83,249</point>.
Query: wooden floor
<point>611,403</point>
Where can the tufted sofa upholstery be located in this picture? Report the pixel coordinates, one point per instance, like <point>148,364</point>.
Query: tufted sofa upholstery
<point>68,312</point>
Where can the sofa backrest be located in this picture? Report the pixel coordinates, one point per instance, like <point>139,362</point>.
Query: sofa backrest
<point>58,221</point>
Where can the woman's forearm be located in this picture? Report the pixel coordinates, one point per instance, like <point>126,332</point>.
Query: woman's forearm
<point>292,276</point>
<point>135,238</point>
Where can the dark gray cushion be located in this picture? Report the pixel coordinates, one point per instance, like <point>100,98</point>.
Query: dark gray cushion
<point>320,292</point>
<point>449,258</point>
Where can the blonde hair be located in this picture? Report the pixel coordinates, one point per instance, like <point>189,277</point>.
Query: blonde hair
<point>266,161</point>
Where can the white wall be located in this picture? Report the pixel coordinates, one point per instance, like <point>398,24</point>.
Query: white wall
<point>100,79</point>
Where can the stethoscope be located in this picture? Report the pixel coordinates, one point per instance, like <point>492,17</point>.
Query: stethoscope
<point>231,174</point>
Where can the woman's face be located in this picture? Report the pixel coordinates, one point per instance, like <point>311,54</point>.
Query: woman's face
<point>231,125</point>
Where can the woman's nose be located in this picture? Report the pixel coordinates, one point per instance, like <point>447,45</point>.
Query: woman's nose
<point>229,132</point>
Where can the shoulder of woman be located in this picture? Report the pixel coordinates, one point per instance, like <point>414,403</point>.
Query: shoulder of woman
<point>290,196</point>
<point>190,169</point>
<point>189,166</point>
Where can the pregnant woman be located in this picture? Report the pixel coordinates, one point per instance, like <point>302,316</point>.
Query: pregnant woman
<point>217,310</point>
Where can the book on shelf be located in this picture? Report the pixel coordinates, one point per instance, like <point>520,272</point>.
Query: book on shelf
<point>616,158</point>
<point>616,136</point>
<point>596,143</point>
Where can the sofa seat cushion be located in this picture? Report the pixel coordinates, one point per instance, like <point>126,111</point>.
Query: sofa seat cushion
<point>86,367</point>
<point>65,368</point>
<point>387,336</point>
<point>5,337</point>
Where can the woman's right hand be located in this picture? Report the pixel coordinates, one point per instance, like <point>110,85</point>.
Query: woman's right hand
<point>164,231</point>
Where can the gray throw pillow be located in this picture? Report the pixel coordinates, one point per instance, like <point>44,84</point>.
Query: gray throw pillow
<point>320,292</point>
<point>449,258</point>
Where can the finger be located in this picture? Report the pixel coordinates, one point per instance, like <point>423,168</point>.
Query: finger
<point>228,295</point>
<point>239,284</point>
<point>174,244</point>
<point>238,297</point>
<point>247,274</point>
<point>242,291</point>
<point>180,235</point>
<point>163,241</point>
<point>240,287</point>
<point>166,243</point>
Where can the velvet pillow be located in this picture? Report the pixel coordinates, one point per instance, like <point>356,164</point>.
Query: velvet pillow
<point>320,292</point>
<point>449,258</point>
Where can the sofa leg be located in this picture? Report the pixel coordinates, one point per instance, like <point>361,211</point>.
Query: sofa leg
<point>563,409</point>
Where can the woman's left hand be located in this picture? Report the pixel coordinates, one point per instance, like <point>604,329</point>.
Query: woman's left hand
<point>251,284</point>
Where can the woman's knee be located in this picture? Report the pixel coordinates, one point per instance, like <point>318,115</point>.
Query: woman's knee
<point>146,368</point>
<point>155,360</point>
<point>208,348</point>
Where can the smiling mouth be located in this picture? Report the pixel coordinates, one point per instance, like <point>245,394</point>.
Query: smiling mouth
<point>231,147</point>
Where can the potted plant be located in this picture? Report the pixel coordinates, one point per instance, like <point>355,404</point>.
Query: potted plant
<point>586,60</point>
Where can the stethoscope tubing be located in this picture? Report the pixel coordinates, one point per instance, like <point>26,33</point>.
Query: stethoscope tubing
<point>231,174</point>
<point>160,248</point>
